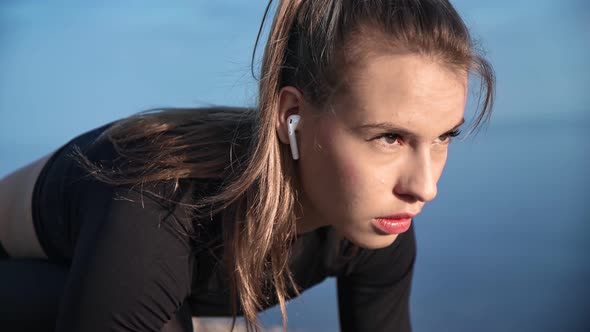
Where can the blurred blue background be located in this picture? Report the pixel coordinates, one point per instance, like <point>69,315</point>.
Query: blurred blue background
<point>504,247</point>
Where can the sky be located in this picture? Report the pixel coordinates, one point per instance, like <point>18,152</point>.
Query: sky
<point>69,66</point>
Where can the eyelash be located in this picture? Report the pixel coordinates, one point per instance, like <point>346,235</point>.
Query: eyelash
<point>446,138</point>
<point>392,136</point>
<point>451,134</point>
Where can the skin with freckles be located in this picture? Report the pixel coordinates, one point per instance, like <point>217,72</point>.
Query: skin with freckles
<point>380,147</point>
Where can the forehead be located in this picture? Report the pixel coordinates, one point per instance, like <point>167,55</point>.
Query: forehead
<point>407,89</point>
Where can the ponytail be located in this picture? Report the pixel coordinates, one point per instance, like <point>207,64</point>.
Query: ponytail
<point>263,226</point>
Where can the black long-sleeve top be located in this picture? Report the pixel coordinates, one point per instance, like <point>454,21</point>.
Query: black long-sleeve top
<point>131,267</point>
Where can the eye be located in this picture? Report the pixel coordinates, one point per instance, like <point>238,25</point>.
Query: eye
<point>389,139</point>
<point>446,138</point>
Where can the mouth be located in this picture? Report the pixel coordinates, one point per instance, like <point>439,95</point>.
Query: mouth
<point>395,224</point>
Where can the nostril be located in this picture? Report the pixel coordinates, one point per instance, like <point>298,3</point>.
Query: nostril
<point>408,198</point>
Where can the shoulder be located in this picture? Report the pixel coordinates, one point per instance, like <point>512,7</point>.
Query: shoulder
<point>66,187</point>
<point>61,166</point>
<point>59,182</point>
<point>67,167</point>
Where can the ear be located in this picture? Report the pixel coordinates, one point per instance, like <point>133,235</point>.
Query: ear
<point>291,101</point>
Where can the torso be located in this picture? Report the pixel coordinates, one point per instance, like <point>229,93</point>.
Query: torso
<point>316,255</point>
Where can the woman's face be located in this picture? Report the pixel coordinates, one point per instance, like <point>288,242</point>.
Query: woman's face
<point>375,157</point>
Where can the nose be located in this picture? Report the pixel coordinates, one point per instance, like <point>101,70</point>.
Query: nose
<point>417,180</point>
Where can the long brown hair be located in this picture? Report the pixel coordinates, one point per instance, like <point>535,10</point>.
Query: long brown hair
<point>310,45</point>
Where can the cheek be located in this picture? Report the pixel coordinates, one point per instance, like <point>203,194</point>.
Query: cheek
<point>351,179</point>
<point>326,166</point>
<point>339,177</point>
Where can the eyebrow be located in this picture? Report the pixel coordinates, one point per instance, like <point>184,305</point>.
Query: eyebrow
<point>390,127</point>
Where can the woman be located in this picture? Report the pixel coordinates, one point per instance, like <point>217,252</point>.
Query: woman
<point>176,213</point>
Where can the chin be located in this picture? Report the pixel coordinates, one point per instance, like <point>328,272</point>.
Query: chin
<point>373,241</point>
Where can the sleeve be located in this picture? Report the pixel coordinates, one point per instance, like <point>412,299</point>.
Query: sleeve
<point>374,295</point>
<point>131,269</point>
<point>131,265</point>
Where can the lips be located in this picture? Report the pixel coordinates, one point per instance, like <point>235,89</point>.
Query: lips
<point>395,224</point>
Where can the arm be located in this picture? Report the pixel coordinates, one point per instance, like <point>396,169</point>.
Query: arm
<point>375,295</point>
<point>130,255</point>
<point>131,269</point>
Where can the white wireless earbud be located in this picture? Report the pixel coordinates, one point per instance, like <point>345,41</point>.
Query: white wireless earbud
<point>292,122</point>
